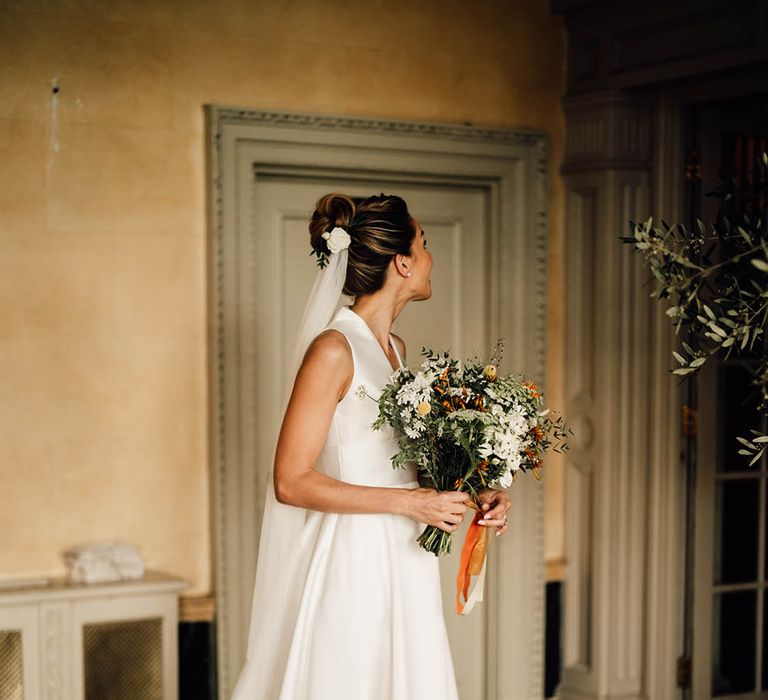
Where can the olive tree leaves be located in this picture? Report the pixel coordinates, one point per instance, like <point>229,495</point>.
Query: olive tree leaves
<point>715,280</point>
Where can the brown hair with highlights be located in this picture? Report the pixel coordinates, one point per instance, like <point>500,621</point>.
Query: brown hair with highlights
<point>379,228</point>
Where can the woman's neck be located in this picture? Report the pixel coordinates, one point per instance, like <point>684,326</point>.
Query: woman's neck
<point>379,313</point>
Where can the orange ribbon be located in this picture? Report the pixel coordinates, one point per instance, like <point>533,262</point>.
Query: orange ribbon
<point>472,556</point>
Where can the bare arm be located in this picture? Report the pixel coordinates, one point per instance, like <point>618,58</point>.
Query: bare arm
<point>322,380</point>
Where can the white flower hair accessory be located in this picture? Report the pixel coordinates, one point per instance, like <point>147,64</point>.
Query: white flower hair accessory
<point>336,239</point>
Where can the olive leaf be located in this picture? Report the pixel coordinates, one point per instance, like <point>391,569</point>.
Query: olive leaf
<point>714,278</point>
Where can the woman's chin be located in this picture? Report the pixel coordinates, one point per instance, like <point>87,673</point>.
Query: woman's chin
<point>426,294</point>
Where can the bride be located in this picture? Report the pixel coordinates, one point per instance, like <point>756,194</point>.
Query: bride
<point>346,605</point>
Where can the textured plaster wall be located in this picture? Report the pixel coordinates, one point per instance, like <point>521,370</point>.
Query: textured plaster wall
<point>103,352</point>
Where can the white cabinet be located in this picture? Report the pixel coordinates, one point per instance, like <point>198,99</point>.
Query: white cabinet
<point>107,641</point>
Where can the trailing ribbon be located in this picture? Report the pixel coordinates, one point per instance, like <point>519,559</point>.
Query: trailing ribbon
<point>472,563</point>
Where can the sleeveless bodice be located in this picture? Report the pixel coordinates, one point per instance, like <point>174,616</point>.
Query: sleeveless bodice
<point>354,452</point>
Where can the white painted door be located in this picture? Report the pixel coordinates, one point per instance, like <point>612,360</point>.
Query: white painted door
<point>455,318</point>
<point>730,649</point>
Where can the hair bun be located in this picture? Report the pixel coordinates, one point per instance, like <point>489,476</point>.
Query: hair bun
<point>331,210</point>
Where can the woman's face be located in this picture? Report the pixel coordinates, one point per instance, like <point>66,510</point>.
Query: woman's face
<point>421,265</point>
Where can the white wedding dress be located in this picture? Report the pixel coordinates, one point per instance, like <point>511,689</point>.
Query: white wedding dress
<point>362,619</point>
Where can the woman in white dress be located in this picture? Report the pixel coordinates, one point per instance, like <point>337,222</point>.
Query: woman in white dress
<point>346,604</point>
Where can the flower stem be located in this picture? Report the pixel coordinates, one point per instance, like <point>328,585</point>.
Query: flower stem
<point>435,540</point>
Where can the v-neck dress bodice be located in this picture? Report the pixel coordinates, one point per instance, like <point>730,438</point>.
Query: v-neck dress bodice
<point>364,618</point>
<point>364,453</point>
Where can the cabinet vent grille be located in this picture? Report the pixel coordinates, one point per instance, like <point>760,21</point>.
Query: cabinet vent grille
<point>123,660</point>
<point>11,666</point>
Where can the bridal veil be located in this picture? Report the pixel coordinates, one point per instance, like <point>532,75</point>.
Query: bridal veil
<point>285,544</point>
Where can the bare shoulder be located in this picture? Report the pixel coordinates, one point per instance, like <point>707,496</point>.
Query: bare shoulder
<point>400,345</point>
<point>329,359</point>
<point>330,347</point>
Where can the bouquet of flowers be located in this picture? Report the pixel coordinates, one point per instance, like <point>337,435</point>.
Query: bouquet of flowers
<point>465,427</point>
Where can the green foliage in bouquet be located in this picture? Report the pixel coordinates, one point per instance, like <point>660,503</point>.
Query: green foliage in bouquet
<point>465,428</point>
<point>715,279</point>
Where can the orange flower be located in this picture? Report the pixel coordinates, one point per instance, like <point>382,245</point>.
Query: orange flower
<point>532,389</point>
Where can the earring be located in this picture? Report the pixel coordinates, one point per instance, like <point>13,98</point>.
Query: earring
<point>409,274</point>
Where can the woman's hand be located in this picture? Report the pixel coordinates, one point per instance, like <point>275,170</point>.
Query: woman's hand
<point>494,504</point>
<point>443,509</point>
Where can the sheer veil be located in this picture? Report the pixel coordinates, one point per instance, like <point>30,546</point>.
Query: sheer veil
<point>287,532</point>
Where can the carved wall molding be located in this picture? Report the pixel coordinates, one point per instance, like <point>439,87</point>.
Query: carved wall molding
<point>624,490</point>
<point>610,384</point>
<point>431,130</point>
<point>607,130</point>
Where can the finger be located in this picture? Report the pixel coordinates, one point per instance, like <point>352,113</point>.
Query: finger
<point>500,510</point>
<point>495,514</point>
<point>497,522</point>
<point>453,518</point>
<point>458,496</point>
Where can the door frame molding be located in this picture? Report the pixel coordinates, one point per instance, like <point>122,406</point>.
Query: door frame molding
<point>512,163</point>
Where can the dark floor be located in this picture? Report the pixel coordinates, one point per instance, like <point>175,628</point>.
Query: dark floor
<point>552,638</point>
<point>197,666</point>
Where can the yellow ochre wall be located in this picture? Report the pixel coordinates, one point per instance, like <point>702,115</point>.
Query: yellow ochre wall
<point>103,348</point>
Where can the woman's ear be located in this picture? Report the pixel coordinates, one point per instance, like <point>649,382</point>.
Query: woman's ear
<point>402,264</point>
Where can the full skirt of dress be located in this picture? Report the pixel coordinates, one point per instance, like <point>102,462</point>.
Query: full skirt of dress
<point>348,606</point>
<point>370,624</point>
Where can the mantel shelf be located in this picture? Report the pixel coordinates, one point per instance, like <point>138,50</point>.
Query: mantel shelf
<point>59,588</point>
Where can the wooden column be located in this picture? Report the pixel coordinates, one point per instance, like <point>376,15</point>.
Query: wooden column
<point>609,385</point>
